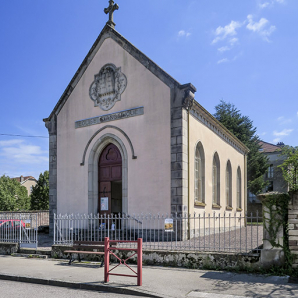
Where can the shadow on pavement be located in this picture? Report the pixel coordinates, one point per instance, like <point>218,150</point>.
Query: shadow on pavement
<point>246,278</point>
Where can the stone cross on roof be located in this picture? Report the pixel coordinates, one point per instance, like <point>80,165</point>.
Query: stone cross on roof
<point>110,10</point>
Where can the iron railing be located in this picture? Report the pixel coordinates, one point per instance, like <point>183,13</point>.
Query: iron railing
<point>196,232</point>
<point>41,217</point>
<point>19,228</point>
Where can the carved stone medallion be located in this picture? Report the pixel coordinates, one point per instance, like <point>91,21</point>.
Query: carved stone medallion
<point>107,87</point>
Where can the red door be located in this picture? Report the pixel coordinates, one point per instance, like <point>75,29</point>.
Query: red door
<point>109,170</point>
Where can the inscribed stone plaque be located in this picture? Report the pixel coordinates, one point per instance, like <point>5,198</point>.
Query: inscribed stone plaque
<point>110,117</point>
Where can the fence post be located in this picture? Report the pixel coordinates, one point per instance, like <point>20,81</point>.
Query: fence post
<point>107,258</point>
<point>140,261</point>
<point>20,240</point>
<point>55,220</point>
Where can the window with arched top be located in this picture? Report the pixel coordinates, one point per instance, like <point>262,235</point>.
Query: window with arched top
<point>229,184</point>
<point>199,174</point>
<point>216,180</point>
<point>239,204</point>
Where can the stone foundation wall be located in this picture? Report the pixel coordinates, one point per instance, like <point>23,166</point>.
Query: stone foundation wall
<point>8,248</point>
<point>179,259</point>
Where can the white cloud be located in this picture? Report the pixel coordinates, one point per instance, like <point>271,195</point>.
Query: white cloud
<point>269,3</point>
<point>284,132</point>
<point>256,26</point>
<point>297,114</point>
<point>276,140</point>
<point>10,143</point>
<point>264,5</point>
<point>233,40</point>
<point>260,27</point>
<point>223,49</point>
<point>182,33</point>
<point>19,156</point>
<point>222,33</point>
<point>283,120</point>
<point>222,61</point>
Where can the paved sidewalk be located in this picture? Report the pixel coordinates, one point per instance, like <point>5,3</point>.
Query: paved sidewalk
<point>157,281</point>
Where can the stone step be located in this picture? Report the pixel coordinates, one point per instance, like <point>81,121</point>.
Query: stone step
<point>32,251</point>
<point>35,256</point>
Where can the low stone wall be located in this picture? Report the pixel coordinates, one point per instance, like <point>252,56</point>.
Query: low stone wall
<point>8,248</point>
<point>197,260</point>
<point>179,259</point>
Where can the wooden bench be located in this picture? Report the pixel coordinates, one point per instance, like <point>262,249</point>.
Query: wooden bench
<point>86,247</point>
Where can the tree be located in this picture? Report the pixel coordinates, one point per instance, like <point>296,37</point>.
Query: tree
<point>242,127</point>
<point>290,167</point>
<point>40,193</point>
<point>13,196</point>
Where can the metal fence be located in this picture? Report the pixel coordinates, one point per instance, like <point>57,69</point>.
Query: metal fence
<point>41,217</point>
<point>19,228</point>
<point>197,232</point>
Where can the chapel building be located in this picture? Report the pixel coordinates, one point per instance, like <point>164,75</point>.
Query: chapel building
<point>126,137</point>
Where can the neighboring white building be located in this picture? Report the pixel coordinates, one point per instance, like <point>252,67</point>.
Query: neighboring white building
<point>125,130</point>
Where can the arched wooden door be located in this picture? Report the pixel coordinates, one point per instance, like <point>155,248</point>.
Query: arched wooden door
<point>110,181</point>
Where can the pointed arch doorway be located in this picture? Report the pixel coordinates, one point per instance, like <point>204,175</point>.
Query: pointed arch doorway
<point>110,181</point>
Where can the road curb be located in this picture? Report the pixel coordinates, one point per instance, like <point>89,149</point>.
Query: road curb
<point>81,286</point>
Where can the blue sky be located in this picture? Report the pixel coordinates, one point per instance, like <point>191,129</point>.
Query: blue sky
<point>244,52</point>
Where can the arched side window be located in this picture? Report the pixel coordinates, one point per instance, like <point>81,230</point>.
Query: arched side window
<point>229,184</point>
<point>239,204</point>
<point>216,180</point>
<point>199,174</point>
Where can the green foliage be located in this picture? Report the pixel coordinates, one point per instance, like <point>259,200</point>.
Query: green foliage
<point>290,167</point>
<point>242,127</point>
<point>13,196</point>
<point>40,193</point>
<point>275,216</point>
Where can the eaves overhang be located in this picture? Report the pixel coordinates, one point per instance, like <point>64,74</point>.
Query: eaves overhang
<point>217,127</point>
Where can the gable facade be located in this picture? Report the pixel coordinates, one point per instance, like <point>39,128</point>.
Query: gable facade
<point>154,124</point>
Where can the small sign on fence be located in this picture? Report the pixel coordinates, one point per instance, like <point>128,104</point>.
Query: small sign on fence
<point>169,225</point>
<point>27,223</point>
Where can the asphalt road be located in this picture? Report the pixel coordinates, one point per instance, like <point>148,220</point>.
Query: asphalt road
<point>13,289</point>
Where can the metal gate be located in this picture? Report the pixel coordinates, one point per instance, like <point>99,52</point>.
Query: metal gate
<point>19,228</point>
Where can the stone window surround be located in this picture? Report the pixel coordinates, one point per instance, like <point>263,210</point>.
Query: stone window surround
<point>229,185</point>
<point>216,188</point>
<point>239,182</point>
<point>200,148</point>
<point>94,154</point>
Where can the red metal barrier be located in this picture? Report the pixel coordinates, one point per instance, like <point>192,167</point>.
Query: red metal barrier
<point>138,252</point>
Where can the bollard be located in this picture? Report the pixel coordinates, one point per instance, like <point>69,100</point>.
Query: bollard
<point>140,260</point>
<point>107,259</point>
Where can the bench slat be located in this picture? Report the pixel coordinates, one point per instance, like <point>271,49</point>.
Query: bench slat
<point>88,247</point>
<point>84,252</point>
<point>76,242</point>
